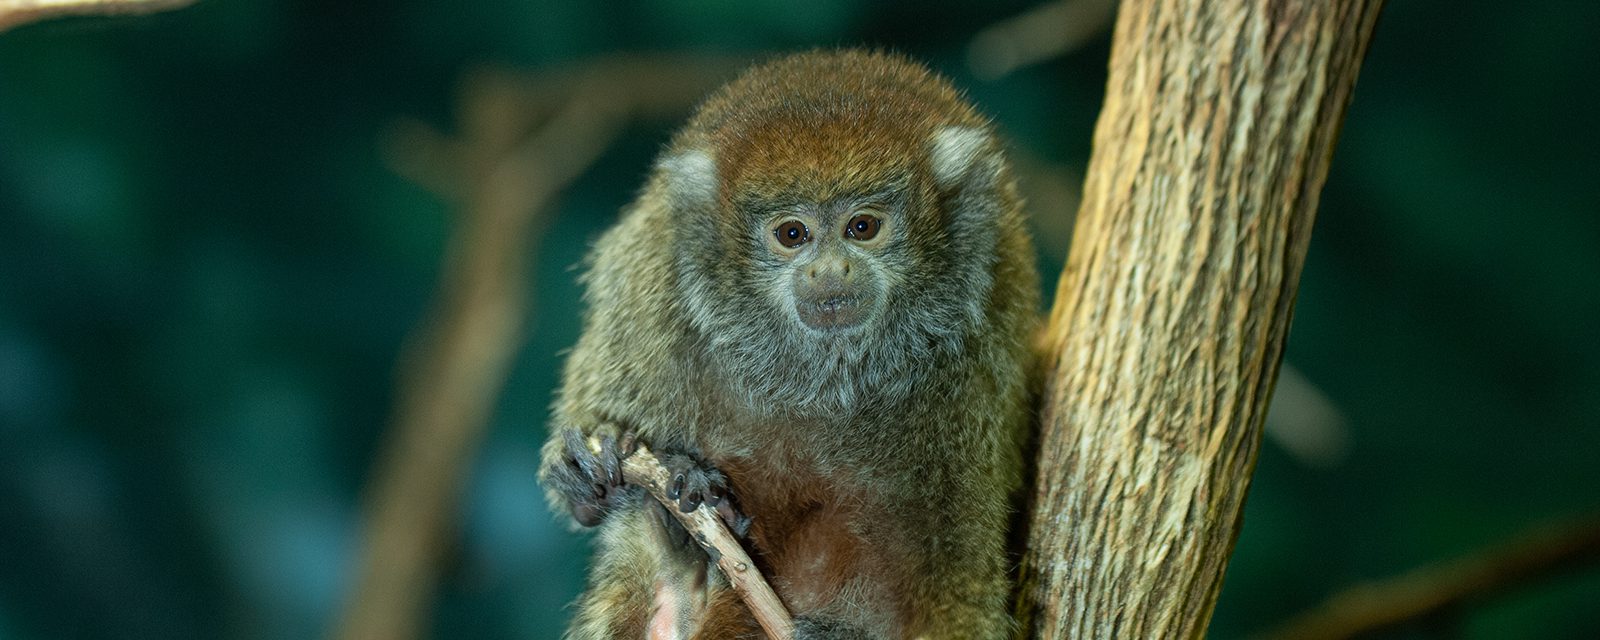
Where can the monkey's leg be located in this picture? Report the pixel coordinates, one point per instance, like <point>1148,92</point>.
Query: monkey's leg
<point>620,598</point>
<point>726,618</point>
<point>642,585</point>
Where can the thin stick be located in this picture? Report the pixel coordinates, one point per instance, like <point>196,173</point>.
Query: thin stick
<point>641,468</point>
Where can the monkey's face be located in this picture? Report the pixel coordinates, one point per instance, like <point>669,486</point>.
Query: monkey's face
<point>831,269</point>
<point>830,266</point>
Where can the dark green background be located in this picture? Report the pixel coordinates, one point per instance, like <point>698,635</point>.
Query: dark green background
<point>206,275</point>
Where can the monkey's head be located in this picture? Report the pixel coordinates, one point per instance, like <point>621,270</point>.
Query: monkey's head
<point>836,232</point>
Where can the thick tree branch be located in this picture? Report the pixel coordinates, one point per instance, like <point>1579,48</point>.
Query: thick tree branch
<point>1170,316</point>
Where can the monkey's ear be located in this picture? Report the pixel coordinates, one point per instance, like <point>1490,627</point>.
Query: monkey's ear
<point>691,177</point>
<point>963,156</point>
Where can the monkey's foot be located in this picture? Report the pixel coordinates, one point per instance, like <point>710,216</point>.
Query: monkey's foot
<point>588,479</point>
<point>692,483</point>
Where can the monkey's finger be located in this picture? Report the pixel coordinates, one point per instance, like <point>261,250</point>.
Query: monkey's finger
<point>584,499</point>
<point>737,522</point>
<point>716,486</point>
<point>582,481</point>
<point>689,502</point>
<point>675,488</point>
<point>696,486</point>
<point>587,464</point>
<point>588,514</point>
<point>609,461</point>
<point>577,448</point>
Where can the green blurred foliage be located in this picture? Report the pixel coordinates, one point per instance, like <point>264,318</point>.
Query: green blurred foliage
<point>206,276</point>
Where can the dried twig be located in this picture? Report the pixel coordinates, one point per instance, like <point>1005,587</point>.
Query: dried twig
<point>641,468</point>
<point>15,13</point>
<point>1431,590</point>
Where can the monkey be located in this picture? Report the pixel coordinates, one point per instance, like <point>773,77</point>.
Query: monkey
<point>817,313</point>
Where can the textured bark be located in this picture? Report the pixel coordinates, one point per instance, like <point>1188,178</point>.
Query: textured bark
<point>1170,317</point>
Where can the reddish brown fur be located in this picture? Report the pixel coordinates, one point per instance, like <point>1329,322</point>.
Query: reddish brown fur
<point>803,533</point>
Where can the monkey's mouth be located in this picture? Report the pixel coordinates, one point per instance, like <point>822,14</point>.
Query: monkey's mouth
<point>831,313</point>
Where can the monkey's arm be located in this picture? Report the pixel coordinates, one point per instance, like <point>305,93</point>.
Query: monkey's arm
<point>623,380</point>
<point>951,503</point>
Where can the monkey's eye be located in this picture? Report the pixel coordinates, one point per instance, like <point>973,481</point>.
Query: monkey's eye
<point>863,227</point>
<point>792,233</point>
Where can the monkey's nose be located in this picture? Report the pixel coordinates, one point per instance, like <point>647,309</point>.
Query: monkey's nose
<point>823,269</point>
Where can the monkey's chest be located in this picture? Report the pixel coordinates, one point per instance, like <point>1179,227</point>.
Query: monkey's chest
<point>805,529</point>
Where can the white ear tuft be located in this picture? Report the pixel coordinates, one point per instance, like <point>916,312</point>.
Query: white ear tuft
<point>691,176</point>
<point>955,151</point>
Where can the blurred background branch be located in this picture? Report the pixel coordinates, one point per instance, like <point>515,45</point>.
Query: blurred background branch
<point>1535,557</point>
<point>15,13</point>
<point>1305,422</point>
<point>524,138</point>
<point>1046,31</point>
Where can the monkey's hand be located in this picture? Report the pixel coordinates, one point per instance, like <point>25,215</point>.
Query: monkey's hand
<point>586,480</point>
<point>692,482</point>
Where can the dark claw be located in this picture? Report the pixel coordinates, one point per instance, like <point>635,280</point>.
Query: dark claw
<point>589,479</point>
<point>610,461</point>
<point>690,502</point>
<point>737,522</point>
<point>695,483</point>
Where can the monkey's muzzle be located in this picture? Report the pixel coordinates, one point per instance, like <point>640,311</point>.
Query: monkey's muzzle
<point>831,312</point>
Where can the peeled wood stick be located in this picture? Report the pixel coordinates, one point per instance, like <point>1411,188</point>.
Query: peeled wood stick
<point>641,468</point>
